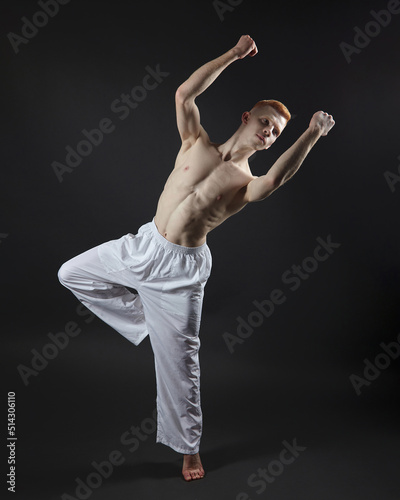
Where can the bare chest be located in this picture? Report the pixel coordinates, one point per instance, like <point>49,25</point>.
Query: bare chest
<point>202,170</point>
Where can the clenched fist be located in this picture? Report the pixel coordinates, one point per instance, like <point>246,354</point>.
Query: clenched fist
<point>322,121</point>
<point>246,46</point>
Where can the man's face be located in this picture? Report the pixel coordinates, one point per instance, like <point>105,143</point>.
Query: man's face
<point>263,126</point>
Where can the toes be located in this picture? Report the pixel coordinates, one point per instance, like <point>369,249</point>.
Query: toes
<point>193,474</point>
<point>198,474</point>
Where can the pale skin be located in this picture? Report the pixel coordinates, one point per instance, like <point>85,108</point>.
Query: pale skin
<point>210,182</point>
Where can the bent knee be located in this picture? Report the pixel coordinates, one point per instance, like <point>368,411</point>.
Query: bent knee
<point>64,274</point>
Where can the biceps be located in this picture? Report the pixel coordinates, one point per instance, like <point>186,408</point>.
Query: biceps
<point>187,118</point>
<point>260,188</point>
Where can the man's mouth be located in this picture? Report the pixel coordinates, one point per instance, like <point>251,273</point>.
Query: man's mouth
<point>261,138</point>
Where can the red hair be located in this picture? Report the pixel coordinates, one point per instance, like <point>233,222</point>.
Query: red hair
<point>277,105</point>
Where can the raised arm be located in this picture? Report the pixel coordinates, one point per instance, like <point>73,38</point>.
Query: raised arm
<point>289,163</point>
<point>187,112</point>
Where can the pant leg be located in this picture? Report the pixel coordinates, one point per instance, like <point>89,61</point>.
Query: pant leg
<point>170,280</point>
<point>176,357</point>
<point>173,309</point>
<point>102,289</point>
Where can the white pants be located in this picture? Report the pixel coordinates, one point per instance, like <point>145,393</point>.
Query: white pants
<point>170,282</point>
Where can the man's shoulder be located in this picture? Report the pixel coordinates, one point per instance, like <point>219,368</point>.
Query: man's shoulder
<point>202,139</point>
<point>203,136</point>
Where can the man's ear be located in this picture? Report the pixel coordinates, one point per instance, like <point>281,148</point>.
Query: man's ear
<point>246,117</point>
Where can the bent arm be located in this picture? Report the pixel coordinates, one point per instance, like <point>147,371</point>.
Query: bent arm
<point>188,116</point>
<point>203,77</point>
<point>187,112</point>
<point>290,162</point>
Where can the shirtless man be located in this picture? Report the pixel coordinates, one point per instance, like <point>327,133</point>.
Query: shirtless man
<point>168,261</point>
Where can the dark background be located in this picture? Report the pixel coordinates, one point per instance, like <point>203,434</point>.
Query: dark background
<point>290,379</point>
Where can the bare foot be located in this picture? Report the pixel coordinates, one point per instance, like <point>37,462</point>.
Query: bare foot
<point>192,468</point>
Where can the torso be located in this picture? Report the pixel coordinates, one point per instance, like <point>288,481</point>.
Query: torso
<point>201,192</point>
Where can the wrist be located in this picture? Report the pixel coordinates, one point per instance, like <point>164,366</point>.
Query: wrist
<point>314,131</point>
<point>234,52</point>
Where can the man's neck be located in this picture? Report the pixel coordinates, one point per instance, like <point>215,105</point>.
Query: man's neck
<point>235,150</point>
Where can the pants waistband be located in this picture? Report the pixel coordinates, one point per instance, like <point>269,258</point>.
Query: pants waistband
<point>173,246</point>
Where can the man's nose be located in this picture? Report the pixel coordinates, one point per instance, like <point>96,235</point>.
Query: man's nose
<point>267,131</point>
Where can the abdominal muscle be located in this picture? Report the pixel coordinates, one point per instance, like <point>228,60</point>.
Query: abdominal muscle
<point>188,222</point>
<point>198,196</point>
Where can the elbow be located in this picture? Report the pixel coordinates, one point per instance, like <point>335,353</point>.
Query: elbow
<point>181,95</point>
